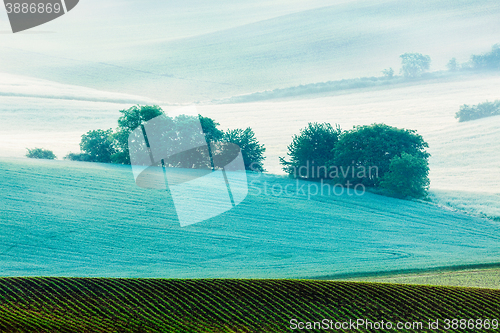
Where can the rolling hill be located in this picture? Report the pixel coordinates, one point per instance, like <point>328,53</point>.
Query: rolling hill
<point>63,218</point>
<point>82,248</point>
<point>54,89</point>
<point>197,52</point>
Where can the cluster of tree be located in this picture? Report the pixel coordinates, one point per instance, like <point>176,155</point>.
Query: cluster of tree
<point>108,146</point>
<point>489,60</point>
<point>415,64</point>
<point>486,61</point>
<point>482,110</point>
<point>392,159</point>
<point>40,153</point>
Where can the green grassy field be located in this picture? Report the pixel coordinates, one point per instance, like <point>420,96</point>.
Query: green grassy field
<point>156,305</point>
<point>60,218</point>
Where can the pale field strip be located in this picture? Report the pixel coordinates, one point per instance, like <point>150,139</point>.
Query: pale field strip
<point>477,278</point>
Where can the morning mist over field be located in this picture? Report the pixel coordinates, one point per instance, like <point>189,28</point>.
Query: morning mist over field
<point>189,52</point>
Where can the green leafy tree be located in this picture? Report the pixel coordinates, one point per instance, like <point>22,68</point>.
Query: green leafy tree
<point>131,119</point>
<point>185,130</point>
<point>212,135</point>
<point>414,64</point>
<point>251,150</point>
<point>81,157</point>
<point>312,151</point>
<point>106,146</point>
<point>181,128</point>
<point>364,154</point>
<point>40,153</point>
<point>98,145</point>
<point>137,115</point>
<point>210,129</point>
<point>407,177</point>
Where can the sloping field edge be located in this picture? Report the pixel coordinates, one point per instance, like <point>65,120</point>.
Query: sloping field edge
<point>353,84</point>
<point>406,271</point>
<point>220,305</point>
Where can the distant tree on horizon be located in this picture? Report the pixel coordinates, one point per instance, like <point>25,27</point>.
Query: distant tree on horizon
<point>414,64</point>
<point>389,73</point>
<point>453,65</point>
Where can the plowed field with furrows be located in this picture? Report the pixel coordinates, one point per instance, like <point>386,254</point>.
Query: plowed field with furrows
<point>216,305</point>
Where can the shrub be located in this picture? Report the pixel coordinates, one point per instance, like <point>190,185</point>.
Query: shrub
<point>407,177</point>
<point>78,157</point>
<point>40,153</point>
<point>482,110</point>
<point>311,151</point>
